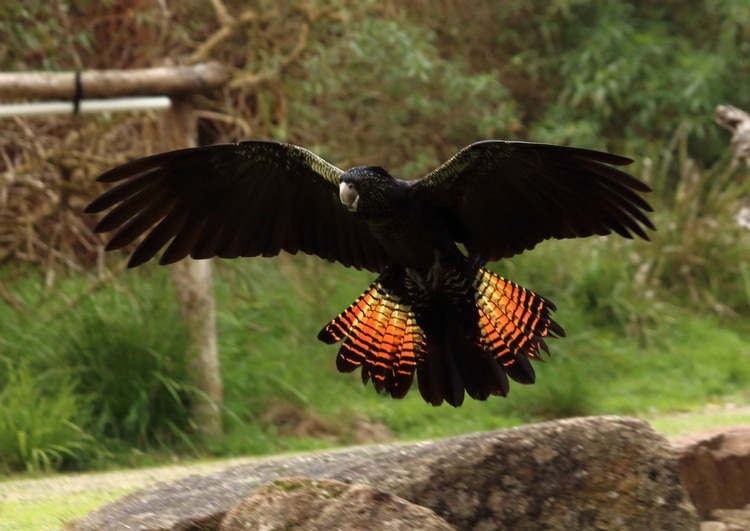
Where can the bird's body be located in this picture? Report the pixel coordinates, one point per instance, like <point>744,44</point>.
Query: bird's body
<point>433,311</point>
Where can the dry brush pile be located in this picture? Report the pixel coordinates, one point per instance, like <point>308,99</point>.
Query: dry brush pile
<point>48,164</point>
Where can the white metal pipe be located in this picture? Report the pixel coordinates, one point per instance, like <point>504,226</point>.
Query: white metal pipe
<point>9,110</point>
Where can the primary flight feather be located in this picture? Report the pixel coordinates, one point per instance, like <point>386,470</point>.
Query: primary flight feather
<point>433,311</point>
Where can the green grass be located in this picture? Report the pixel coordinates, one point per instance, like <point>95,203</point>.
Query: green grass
<point>52,510</point>
<point>675,367</point>
<point>624,354</point>
<point>132,370</point>
<point>676,425</point>
<point>681,361</point>
<point>38,416</point>
<point>283,393</point>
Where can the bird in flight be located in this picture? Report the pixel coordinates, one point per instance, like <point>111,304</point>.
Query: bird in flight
<point>434,310</point>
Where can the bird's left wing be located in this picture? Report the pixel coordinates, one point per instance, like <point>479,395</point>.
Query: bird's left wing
<point>501,198</point>
<point>228,200</point>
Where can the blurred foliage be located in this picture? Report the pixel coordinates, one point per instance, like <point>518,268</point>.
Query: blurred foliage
<point>607,74</point>
<point>38,415</point>
<point>133,374</point>
<point>86,372</point>
<point>641,70</point>
<point>398,83</point>
<point>431,102</point>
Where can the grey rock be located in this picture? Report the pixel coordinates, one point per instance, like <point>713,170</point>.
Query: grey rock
<point>308,504</point>
<point>710,525</point>
<point>715,468</point>
<point>607,473</point>
<point>734,519</point>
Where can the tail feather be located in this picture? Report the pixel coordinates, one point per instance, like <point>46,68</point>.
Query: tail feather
<point>481,375</point>
<point>471,340</point>
<point>512,324</point>
<point>406,359</point>
<point>457,361</point>
<point>382,336</point>
<point>439,377</point>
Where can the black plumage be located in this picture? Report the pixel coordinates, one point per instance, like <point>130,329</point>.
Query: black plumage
<point>433,310</point>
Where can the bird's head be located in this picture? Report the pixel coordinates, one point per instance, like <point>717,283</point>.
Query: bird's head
<point>369,190</point>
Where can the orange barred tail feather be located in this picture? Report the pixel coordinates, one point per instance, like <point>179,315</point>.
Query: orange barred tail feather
<point>469,336</point>
<point>381,335</point>
<point>512,324</point>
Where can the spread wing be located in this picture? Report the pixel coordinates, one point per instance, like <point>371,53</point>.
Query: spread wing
<point>229,200</point>
<point>501,198</point>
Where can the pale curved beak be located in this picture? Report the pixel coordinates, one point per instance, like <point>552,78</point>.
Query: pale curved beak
<point>349,196</point>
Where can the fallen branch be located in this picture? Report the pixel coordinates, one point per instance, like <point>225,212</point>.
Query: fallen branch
<point>167,80</point>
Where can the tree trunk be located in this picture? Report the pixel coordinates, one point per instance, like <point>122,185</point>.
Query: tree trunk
<point>194,284</point>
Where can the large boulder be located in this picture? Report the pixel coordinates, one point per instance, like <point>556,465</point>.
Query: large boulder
<point>715,468</point>
<point>731,519</point>
<point>584,473</point>
<point>305,504</point>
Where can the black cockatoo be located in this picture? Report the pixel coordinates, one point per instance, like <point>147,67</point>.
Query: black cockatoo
<point>434,309</point>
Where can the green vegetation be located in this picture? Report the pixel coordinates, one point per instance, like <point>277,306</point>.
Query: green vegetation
<point>53,508</point>
<point>37,415</point>
<point>93,366</point>
<point>129,362</point>
<point>114,382</point>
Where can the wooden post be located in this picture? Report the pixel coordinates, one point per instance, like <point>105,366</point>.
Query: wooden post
<point>165,80</point>
<point>194,284</point>
<point>192,277</point>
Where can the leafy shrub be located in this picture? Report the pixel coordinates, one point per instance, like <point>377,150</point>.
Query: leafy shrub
<point>127,348</point>
<point>700,255</point>
<point>383,76</point>
<point>40,419</point>
<point>563,391</point>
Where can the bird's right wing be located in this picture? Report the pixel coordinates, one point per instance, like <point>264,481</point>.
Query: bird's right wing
<point>501,198</point>
<point>229,200</point>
